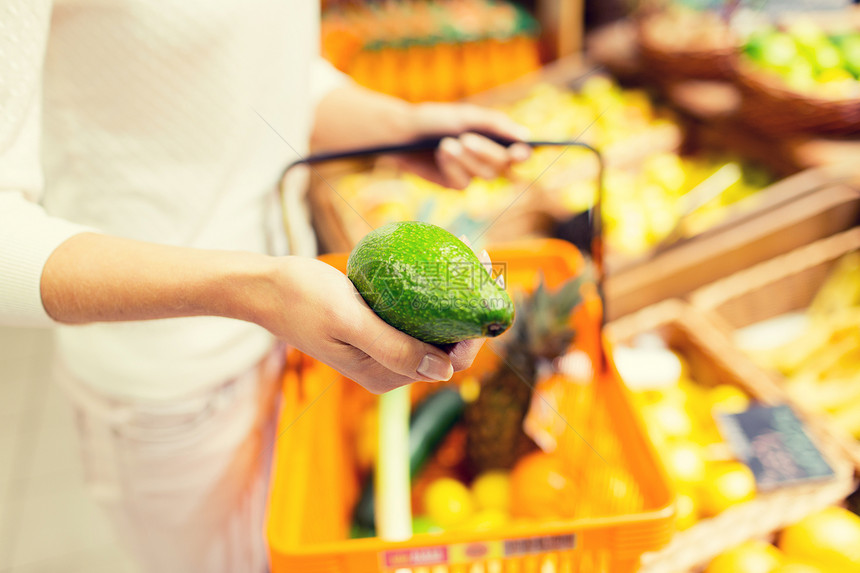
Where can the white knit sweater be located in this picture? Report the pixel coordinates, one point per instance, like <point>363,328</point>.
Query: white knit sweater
<point>141,118</point>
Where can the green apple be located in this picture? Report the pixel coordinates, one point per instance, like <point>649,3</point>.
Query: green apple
<point>825,56</point>
<point>806,34</point>
<point>778,50</point>
<point>800,75</point>
<point>850,46</point>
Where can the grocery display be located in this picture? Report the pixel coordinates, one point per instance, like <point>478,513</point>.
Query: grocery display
<point>653,195</point>
<point>674,390</point>
<point>824,541</point>
<point>445,49</point>
<point>808,59</point>
<point>818,349</point>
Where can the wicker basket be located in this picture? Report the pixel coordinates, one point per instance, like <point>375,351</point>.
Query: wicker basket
<point>783,284</point>
<point>712,356</point>
<point>668,62</point>
<point>771,107</point>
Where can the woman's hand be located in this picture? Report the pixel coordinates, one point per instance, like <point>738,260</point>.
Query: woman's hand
<point>318,310</point>
<point>469,155</point>
<point>353,116</point>
<point>309,304</point>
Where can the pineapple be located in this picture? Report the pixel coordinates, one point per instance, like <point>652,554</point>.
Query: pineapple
<point>541,332</point>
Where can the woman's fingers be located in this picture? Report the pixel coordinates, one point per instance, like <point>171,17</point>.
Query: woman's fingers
<point>399,352</point>
<point>471,155</point>
<point>449,157</point>
<point>463,353</point>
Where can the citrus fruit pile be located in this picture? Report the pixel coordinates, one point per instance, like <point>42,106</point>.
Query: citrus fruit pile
<point>823,542</point>
<point>536,488</point>
<point>450,505</point>
<point>679,414</point>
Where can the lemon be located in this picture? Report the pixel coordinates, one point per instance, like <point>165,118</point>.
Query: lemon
<point>448,502</point>
<point>749,557</point>
<point>484,520</point>
<point>829,538</point>
<point>686,513</point>
<point>793,566</point>
<point>725,484</point>
<point>492,490</point>
<point>669,418</point>
<point>685,462</point>
<point>729,399</point>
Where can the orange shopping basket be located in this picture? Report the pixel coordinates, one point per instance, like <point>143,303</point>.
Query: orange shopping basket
<point>315,482</point>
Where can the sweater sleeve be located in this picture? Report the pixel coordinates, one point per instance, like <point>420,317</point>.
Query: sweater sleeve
<point>28,235</point>
<point>325,78</point>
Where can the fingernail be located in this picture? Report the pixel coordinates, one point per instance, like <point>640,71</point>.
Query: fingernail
<point>520,152</point>
<point>471,141</point>
<point>466,241</point>
<point>523,132</point>
<point>435,368</point>
<point>452,147</point>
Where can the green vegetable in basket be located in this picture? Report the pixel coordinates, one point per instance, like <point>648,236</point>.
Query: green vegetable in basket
<point>431,421</point>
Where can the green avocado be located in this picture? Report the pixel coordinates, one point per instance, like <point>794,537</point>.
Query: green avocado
<point>421,279</point>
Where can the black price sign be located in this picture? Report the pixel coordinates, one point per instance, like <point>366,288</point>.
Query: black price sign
<point>773,442</point>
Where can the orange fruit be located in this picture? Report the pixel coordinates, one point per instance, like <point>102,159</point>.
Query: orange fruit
<point>749,557</point>
<point>829,538</point>
<point>538,486</point>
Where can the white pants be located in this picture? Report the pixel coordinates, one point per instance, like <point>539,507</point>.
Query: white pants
<point>185,482</point>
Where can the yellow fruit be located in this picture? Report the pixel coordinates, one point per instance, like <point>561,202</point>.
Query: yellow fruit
<point>686,513</point>
<point>448,502</point>
<point>483,520</point>
<point>725,484</point>
<point>670,418</point>
<point>729,399</point>
<point>685,462</point>
<point>749,557</point>
<point>829,538</point>
<point>492,490</point>
<point>792,566</point>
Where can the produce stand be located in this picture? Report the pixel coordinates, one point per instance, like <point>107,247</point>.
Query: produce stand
<point>713,360</point>
<point>771,288</point>
<point>793,212</point>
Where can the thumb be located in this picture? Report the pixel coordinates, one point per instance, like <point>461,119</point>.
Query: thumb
<point>401,353</point>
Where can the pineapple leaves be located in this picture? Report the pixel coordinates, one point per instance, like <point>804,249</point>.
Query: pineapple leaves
<point>543,328</point>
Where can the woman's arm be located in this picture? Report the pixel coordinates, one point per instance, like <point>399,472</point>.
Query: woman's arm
<point>309,304</point>
<point>352,116</point>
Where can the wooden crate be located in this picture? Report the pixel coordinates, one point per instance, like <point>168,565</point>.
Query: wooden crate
<point>783,284</point>
<point>713,359</point>
<point>789,214</point>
